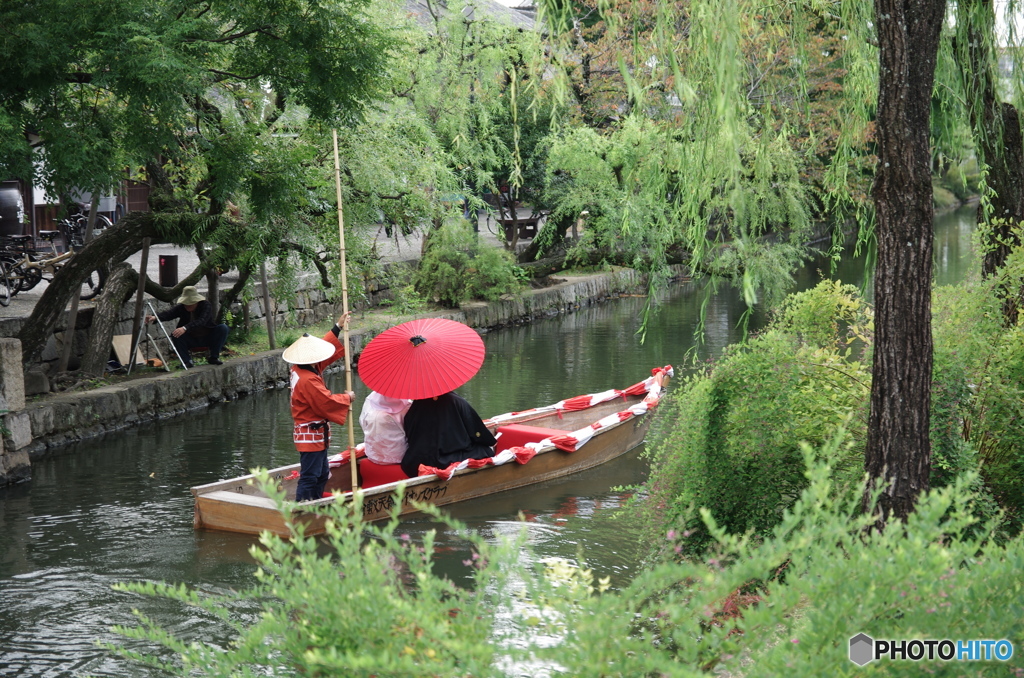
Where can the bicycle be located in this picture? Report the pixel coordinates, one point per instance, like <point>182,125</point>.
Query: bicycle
<point>27,267</point>
<point>76,223</point>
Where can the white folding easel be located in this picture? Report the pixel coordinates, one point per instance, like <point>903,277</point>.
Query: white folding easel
<point>138,340</point>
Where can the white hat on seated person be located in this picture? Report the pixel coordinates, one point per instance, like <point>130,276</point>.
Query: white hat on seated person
<point>190,295</point>
<point>307,350</point>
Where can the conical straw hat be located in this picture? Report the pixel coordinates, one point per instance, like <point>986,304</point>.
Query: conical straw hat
<point>308,350</point>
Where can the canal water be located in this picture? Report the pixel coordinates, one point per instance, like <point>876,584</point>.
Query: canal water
<point>118,508</point>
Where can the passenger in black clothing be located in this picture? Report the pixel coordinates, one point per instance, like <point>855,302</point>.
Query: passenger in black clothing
<point>196,326</point>
<point>442,430</point>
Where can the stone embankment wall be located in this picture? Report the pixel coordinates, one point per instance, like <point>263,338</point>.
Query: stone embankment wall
<point>36,427</point>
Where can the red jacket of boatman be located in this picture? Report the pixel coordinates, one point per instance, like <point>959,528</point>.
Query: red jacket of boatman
<point>313,405</point>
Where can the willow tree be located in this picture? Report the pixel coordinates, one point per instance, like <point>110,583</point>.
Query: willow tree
<point>995,122</point>
<point>732,82</point>
<point>471,76</point>
<point>209,100</point>
<point>755,122</point>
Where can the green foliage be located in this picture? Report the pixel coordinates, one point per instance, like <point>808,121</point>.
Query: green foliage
<point>153,78</point>
<point>725,438</point>
<point>963,179</point>
<point>831,315</point>
<point>709,127</point>
<point>406,300</point>
<point>288,336</point>
<point>729,438</point>
<point>228,101</point>
<point>367,602</point>
<point>979,361</point>
<point>943,198</point>
<point>358,602</point>
<point>786,603</point>
<point>493,274</point>
<point>394,172</point>
<point>456,268</point>
<point>476,81</point>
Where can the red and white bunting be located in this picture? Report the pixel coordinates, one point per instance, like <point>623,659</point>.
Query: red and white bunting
<point>520,455</point>
<point>570,442</point>
<point>341,459</point>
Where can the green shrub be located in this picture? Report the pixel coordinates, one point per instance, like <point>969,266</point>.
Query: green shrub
<point>985,355</point>
<point>786,604</point>
<point>492,274</point>
<point>729,438</point>
<point>356,602</point>
<point>943,198</point>
<point>963,180</point>
<point>456,268</point>
<point>366,602</point>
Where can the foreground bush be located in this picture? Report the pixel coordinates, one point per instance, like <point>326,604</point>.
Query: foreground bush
<point>979,357</point>
<point>784,604</point>
<point>788,603</point>
<point>356,602</point>
<point>729,438</point>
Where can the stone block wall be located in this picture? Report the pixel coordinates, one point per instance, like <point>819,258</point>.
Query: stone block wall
<point>66,418</point>
<point>14,458</point>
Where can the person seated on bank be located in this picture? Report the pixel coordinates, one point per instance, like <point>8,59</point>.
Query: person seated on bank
<point>383,429</point>
<point>443,430</point>
<point>196,326</point>
<point>314,407</point>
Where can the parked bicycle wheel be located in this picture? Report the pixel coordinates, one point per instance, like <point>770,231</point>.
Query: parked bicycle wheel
<point>93,285</point>
<point>25,275</point>
<point>102,223</point>
<point>9,262</point>
<point>6,287</point>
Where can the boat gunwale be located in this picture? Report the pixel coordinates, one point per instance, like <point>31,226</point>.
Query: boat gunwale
<point>387,488</point>
<point>508,418</point>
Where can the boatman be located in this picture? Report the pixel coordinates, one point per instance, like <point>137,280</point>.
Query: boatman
<point>314,407</point>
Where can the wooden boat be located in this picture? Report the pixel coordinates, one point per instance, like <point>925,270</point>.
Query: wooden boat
<point>547,442</point>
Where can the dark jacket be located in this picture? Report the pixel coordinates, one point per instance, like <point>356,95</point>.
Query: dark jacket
<point>197,322</point>
<point>443,430</point>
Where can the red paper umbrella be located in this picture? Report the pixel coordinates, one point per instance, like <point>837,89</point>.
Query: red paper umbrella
<point>421,358</point>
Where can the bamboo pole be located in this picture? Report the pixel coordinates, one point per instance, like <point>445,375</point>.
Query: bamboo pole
<point>344,309</point>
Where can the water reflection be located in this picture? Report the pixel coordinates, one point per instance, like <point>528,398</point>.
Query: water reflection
<point>952,252</point>
<point>118,508</point>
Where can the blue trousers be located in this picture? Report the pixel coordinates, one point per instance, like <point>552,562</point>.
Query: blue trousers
<point>214,340</point>
<point>313,474</point>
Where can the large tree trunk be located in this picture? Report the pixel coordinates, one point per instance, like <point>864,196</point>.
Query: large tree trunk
<point>898,448</point>
<point>553,233</point>
<point>1005,159</point>
<point>116,244</point>
<point>119,287</point>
